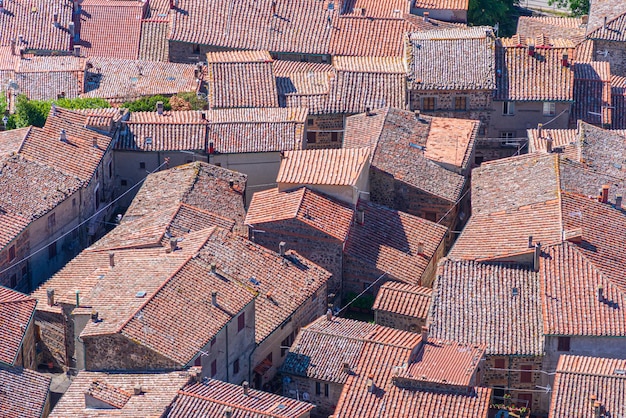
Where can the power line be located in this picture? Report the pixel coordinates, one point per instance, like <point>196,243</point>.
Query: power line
<point>363,292</point>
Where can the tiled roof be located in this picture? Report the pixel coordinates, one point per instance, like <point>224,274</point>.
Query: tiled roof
<point>120,80</point>
<point>368,37</point>
<point>339,167</point>
<point>397,138</point>
<point>154,44</point>
<point>210,398</point>
<point>285,283</point>
<point>403,299</point>
<point>442,4</point>
<point>390,9</point>
<point>541,77</point>
<point>563,139</point>
<point>618,99</point>
<point>580,382</point>
<point>307,206</point>
<point>390,241</point>
<point>451,141</point>
<point>241,79</point>
<point>614,11</point>
<point>33,21</point>
<point>367,82</point>
<point>111,29</point>
<point>16,311</point>
<point>11,140</point>
<point>498,305</point>
<point>453,59</point>
<point>257,130</point>
<point>571,28</point>
<point>77,156</point>
<point>158,390</point>
<point>584,51</point>
<point>592,93</point>
<point>24,392</point>
<point>303,84</point>
<point>108,394</point>
<point>321,348</point>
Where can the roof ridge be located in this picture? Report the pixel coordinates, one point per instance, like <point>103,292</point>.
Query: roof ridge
<point>233,405</point>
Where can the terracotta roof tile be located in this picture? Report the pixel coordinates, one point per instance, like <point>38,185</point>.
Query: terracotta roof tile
<point>498,305</point>
<point>241,79</point>
<point>540,77</point>
<point>584,51</point>
<point>352,35</point>
<point>11,140</point>
<point>307,206</point>
<point>341,167</point>
<point>154,44</point>
<point>579,380</point>
<point>432,66</point>
<point>403,299</point>
<point>158,391</point>
<point>16,312</point>
<point>563,139</point>
<point>24,392</point>
<point>390,9</point>
<point>618,99</point>
<point>45,78</point>
<point>451,141</point>
<point>442,4</point>
<point>571,28</point>
<point>390,240</point>
<point>210,398</point>
<point>119,80</point>
<point>592,93</point>
<point>111,29</point>
<point>303,84</point>
<point>108,394</point>
<point>613,12</point>
<point>33,21</point>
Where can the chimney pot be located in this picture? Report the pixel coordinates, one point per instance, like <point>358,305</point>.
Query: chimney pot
<point>214,298</point>
<point>281,248</point>
<point>228,412</point>
<point>329,314</point>
<point>63,135</point>
<point>531,50</point>
<point>426,17</point>
<point>159,107</point>
<point>605,193</point>
<point>618,201</point>
<point>600,293</point>
<point>213,267</point>
<point>536,256</point>
<point>246,388</point>
<point>137,390</point>
<point>50,294</point>
<point>111,260</point>
<point>425,333</point>
<point>94,316</point>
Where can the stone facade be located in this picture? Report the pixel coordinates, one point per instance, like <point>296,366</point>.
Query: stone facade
<point>397,321</point>
<point>616,55</point>
<point>54,338</point>
<point>325,395</point>
<point>17,275</point>
<point>325,131</point>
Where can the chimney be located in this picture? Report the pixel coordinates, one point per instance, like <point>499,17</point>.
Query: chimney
<point>549,144</point>
<point>202,115</point>
<point>600,293</point>
<point>360,217</point>
<point>565,60</point>
<point>274,7</point>
<point>371,387</point>
<point>53,107</point>
<point>329,314</point>
<point>540,130</point>
<point>76,51</point>
<point>173,244</point>
<point>94,316</point>
<point>531,50</point>
<point>13,47</point>
<point>228,412</point>
<point>55,18</point>
<point>77,298</point>
<point>111,260</point>
<point>597,406</point>
<point>63,136</point>
<point>1,6</point>
<point>530,241</point>
<point>426,17</point>
<point>605,21</point>
<point>246,388</point>
<point>424,335</point>
<point>346,368</point>
<point>584,19</point>
<point>211,148</point>
<point>368,111</point>
<point>95,142</point>
<point>70,27</point>
<point>214,298</point>
<point>159,107</point>
<point>50,294</point>
<point>420,248</point>
<point>213,268</point>
<point>605,193</point>
<point>137,390</point>
<point>536,256</point>
<point>618,201</point>
<point>281,248</point>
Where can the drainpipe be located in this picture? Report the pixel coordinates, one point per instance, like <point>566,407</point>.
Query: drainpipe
<point>227,356</point>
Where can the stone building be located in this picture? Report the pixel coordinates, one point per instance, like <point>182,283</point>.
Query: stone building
<point>402,306</point>
<point>18,329</point>
<point>605,28</point>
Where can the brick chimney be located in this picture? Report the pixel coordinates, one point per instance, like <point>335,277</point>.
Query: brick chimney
<point>604,193</point>
<point>565,60</point>
<point>531,50</point>
<point>426,17</point>
<point>50,294</point>
<point>536,256</point>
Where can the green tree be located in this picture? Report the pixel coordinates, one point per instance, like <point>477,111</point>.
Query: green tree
<point>492,12</point>
<point>82,103</point>
<point>30,112</point>
<point>147,104</point>
<point>577,7</point>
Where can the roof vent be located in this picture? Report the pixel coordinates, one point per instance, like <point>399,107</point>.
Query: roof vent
<point>159,107</point>
<point>137,390</point>
<point>246,388</point>
<point>140,294</point>
<point>515,291</point>
<point>281,248</point>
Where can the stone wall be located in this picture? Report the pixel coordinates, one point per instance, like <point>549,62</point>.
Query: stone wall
<point>27,355</point>
<point>616,55</point>
<point>53,334</point>
<point>302,387</point>
<point>325,130</point>
<point>397,321</point>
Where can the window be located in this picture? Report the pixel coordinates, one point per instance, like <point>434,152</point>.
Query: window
<point>508,108</point>
<point>110,169</point>
<point>309,121</point>
<point>326,389</point>
<point>334,137</point>
<point>14,280</point>
<point>507,134</point>
<point>499,363</point>
<point>526,376</point>
<point>285,344</point>
<point>196,48</point>
<point>428,103</point>
<point>52,221</point>
<point>318,388</point>
<point>311,137</point>
<point>96,196</point>
<point>124,182</point>
<point>236,366</point>
<point>241,321</point>
<point>52,250</point>
<point>563,344</point>
<point>498,393</point>
<point>11,253</point>
<point>142,165</point>
<point>213,368</point>
<point>549,109</point>
<point>460,103</point>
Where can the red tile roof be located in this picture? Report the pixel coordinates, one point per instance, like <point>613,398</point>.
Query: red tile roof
<point>580,382</point>
<point>108,394</point>
<point>390,9</point>
<point>11,140</point>
<point>403,299</point>
<point>618,99</point>
<point>307,206</point>
<point>24,392</point>
<point>390,240</point>
<point>498,305</point>
<point>16,312</point>
<point>541,77</point>
<point>211,398</point>
<point>451,141</point>
<point>158,391</point>
<point>571,28</point>
<point>303,84</point>
<point>442,4</point>
<point>111,29</point>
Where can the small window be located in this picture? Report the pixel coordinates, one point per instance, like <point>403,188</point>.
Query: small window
<point>52,250</point>
<point>97,198</point>
<point>460,103</point>
<point>12,253</point>
<point>508,108</point>
<point>526,376</point>
<point>479,159</point>
<point>507,134</point>
<point>499,363</point>
<point>241,321</point>
<point>498,393</point>
<point>318,388</point>
<point>326,389</point>
<point>564,344</point>
<point>525,399</point>
<point>549,109</point>
<point>428,103</point>
<point>14,280</point>
<point>213,368</point>
<point>311,137</point>
<point>334,137</point>
<point>310,121</point>
<point>142,165</point>
<point>124,183</point>
<point>110,169</point>
<point>236,366</point>
<point>196,48</point>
